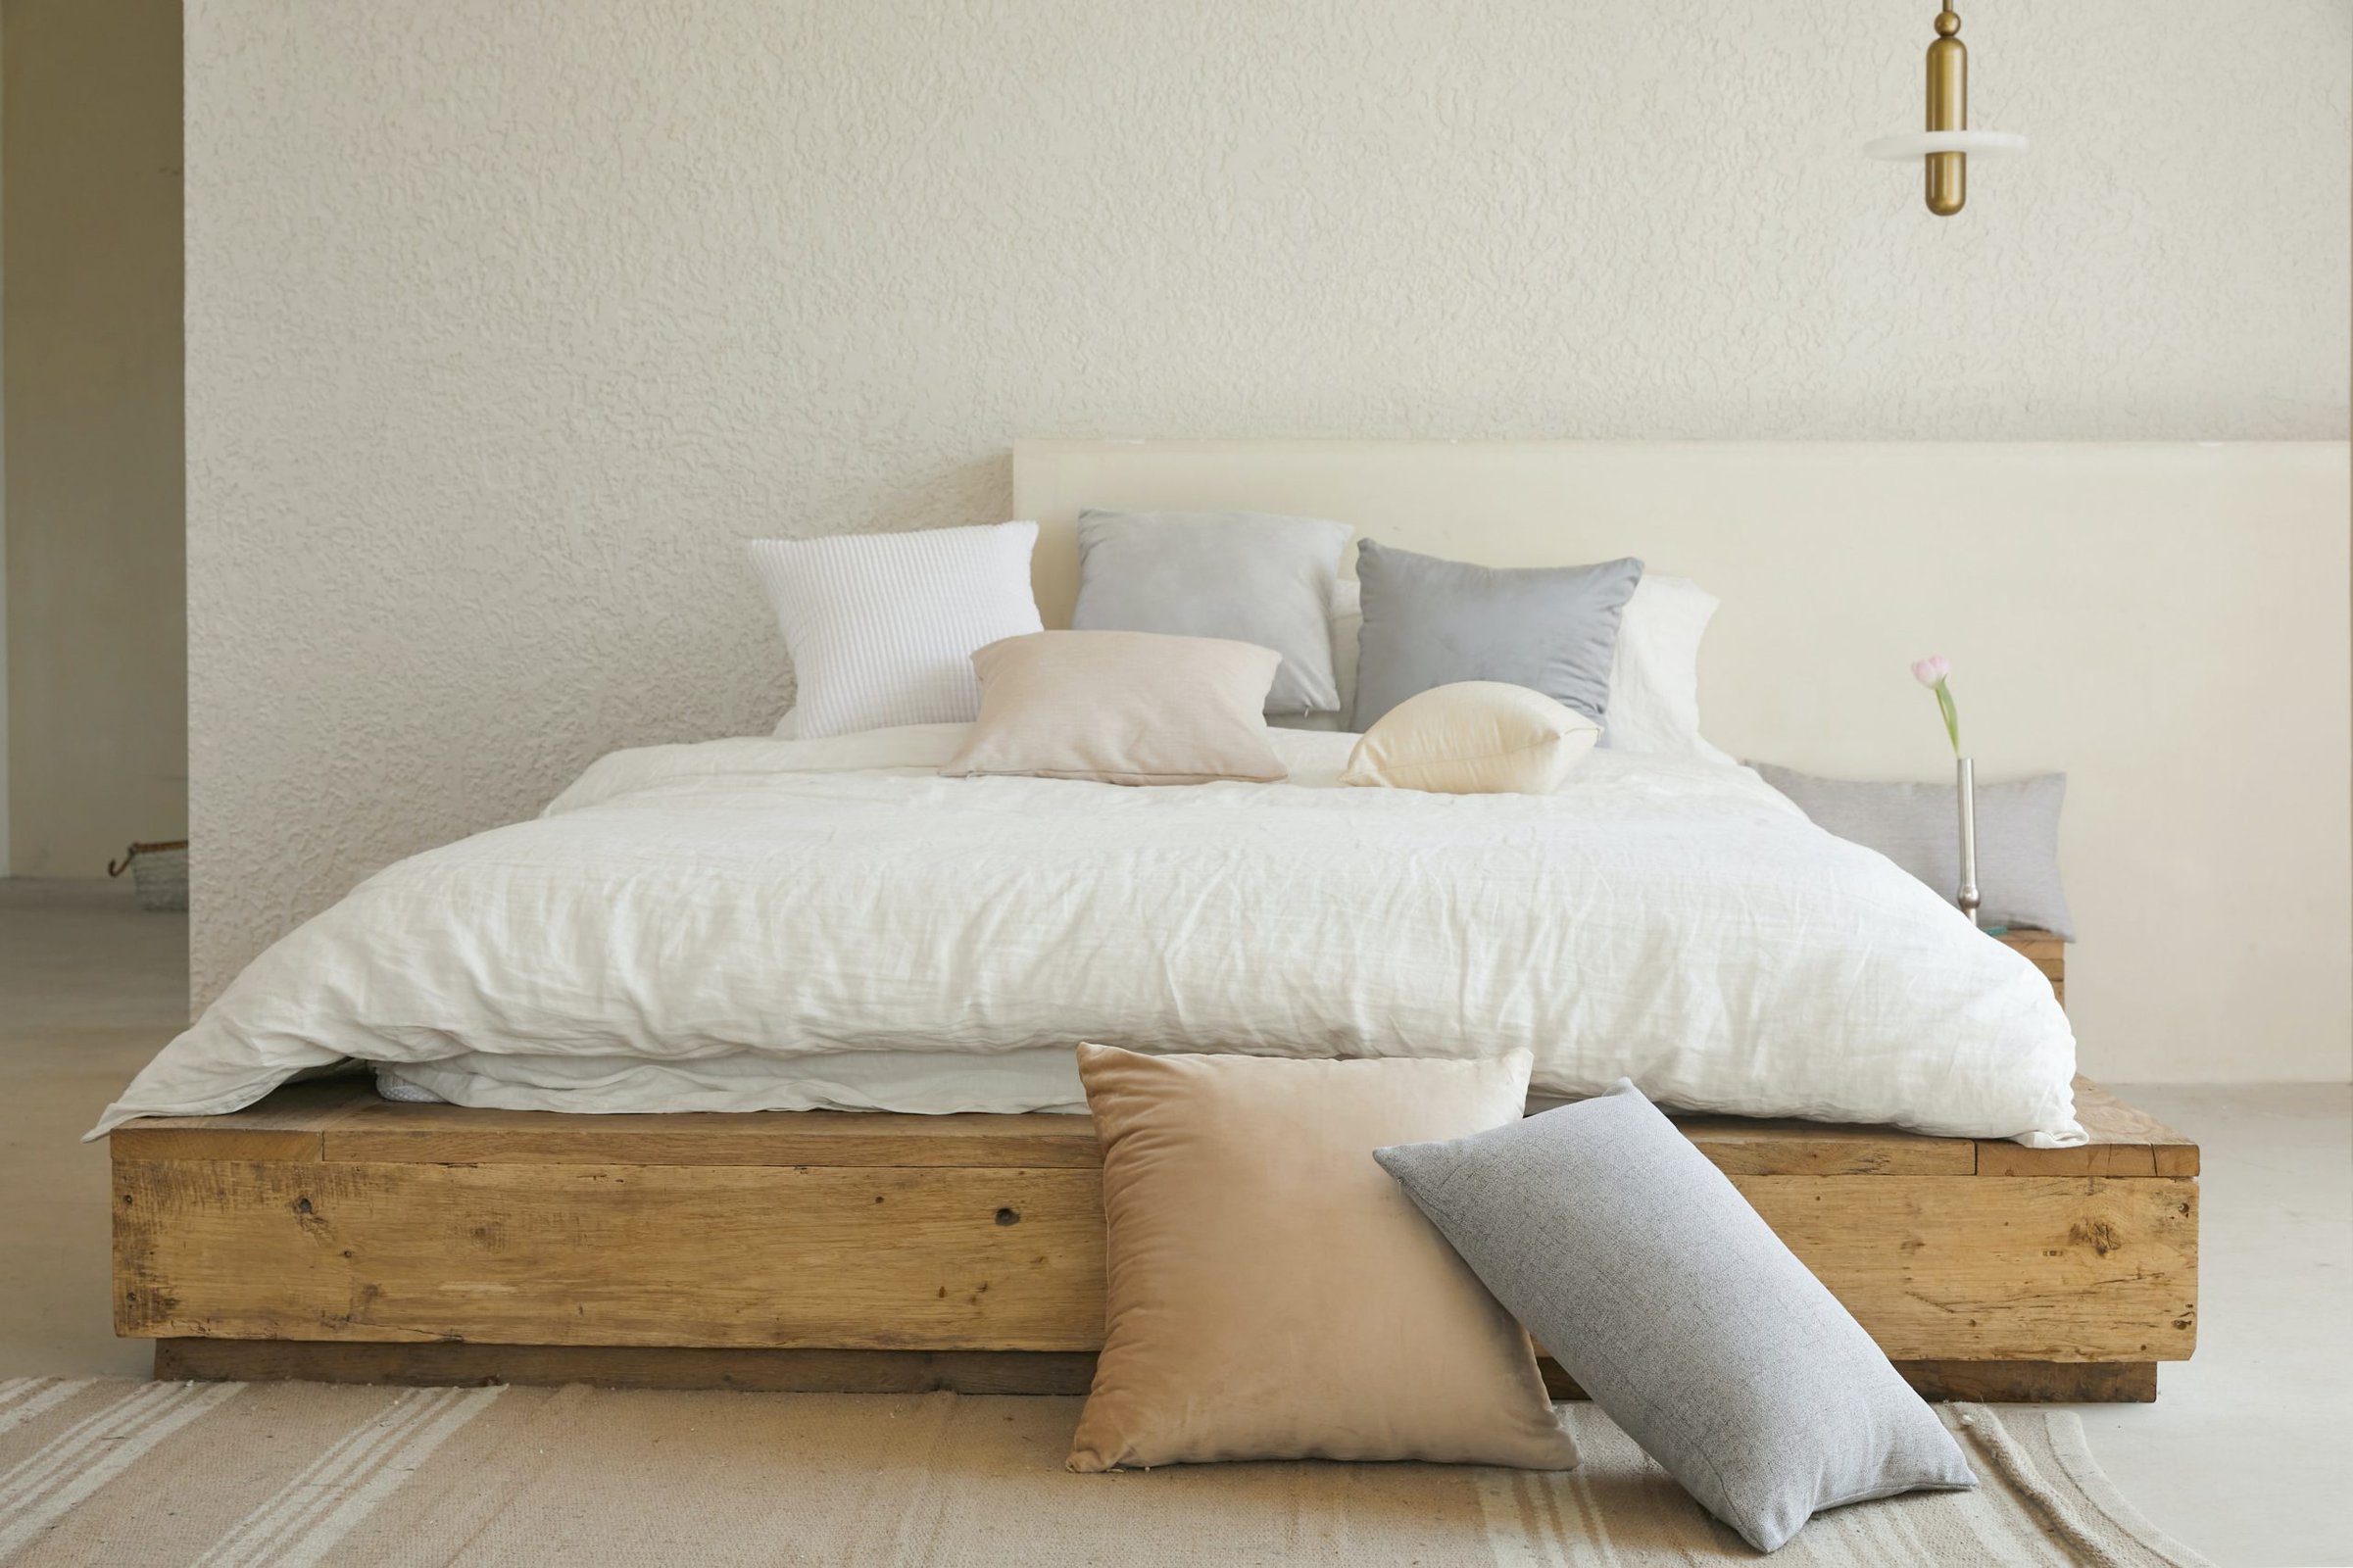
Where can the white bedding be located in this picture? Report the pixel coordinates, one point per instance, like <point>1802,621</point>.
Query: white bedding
<point>736,911</point>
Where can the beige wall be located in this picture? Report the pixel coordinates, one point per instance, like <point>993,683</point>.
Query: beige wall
<point>2164,622</point>
<point>90,279</point>
<point>510,318</point>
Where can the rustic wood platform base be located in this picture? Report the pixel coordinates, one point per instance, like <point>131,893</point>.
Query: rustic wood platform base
<point>328,1234</point>
<point>629,1366</point>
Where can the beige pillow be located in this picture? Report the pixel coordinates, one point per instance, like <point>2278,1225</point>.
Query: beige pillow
<point>1272,1294</point>
<point>1121,708</point>
<point>1474,737</point>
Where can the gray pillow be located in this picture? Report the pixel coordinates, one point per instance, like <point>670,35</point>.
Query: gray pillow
<point>1918,826</point>
<point>1431,623</point>
<point>1645,1273</point>
<point>1241,576</point>
<point>1347,621</point>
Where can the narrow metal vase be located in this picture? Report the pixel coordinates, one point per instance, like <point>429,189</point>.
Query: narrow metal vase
<point>1965,775</point>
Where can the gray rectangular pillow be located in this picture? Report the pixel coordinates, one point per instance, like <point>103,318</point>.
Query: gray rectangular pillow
<point>1245,576</point>
<point>1645,1273</point>
<point>1918,826</point>
<point>1431,623</point>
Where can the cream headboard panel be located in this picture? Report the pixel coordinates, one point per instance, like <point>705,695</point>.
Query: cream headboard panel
<point>2167,624</point>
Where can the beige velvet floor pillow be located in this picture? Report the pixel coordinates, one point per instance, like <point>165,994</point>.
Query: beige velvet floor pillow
<point>1271,1292</point>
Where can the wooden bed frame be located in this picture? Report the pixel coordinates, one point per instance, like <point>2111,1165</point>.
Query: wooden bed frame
<point>330,1235</point>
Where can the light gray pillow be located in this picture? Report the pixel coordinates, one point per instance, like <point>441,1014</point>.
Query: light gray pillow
<point>1918,826</point>
<point>1645,1273</point>
<point>1347,619</point>
<point>1241,575</point>
<point>1431,623</point>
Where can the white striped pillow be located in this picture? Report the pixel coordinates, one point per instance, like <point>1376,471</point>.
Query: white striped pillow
<point>882,626</point>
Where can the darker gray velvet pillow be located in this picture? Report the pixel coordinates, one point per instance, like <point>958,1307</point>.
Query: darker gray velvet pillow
<point>1645,1273</point>
<point>1431,623</point>
<point>1245,576</point>
<point>1918,827</point>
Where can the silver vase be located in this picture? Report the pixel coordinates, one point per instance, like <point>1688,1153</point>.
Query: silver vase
<point>1965,775</point>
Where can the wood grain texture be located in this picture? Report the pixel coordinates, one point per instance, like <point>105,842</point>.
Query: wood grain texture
<point>2027,1269</point>
<point>2124,1142</point>
<point>385,1132</point>
<point>2045,950</point>
<point>621,1366</point>
<point>2002,1382</point>
<point>611,1255</point>
<point>1936,1267</point>
<point>2034,1382</point>
<point>759,1246</point>
<point>1743,1146</point>
<point>291,1125</point>
<point>441,1363</point>
<point>343,1121</point>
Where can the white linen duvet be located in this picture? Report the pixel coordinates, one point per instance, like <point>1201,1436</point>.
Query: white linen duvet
<point>748,924</point>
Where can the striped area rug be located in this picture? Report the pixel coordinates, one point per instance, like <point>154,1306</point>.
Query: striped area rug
<point>242,1475</point>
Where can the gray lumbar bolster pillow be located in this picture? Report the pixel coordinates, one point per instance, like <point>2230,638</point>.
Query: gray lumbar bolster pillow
<point>1918,827</point>
<point>1431,623</point>
<point>1241,576</point>
<point>1645,1273</point>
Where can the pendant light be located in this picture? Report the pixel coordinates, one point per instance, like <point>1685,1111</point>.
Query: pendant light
<point>1949,141</point>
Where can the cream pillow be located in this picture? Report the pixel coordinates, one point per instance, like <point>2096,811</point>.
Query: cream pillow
<point>1271,1294</point>
<point>1122,708</point>
<point>1474,737</point>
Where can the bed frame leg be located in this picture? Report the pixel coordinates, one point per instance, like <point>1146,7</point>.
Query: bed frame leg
<point>443,1363</point>
<point>1992,1382</point>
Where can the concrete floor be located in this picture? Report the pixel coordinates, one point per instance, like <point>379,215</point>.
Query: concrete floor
<point>90,988</point>
<point>2247,1456</point>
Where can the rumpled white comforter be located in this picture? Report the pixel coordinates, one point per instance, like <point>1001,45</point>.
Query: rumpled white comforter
<point>762,902</point>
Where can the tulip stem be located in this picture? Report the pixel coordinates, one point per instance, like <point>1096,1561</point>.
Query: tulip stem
<point>1952,717</point>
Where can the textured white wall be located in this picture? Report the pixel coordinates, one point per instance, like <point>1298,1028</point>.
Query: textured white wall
<point>507,318</point>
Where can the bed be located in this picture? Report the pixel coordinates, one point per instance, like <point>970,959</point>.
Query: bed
<point>790,930</point>
<point>763,925</point>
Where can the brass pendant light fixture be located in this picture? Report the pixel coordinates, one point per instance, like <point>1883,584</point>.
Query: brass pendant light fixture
<point>1944,147</point>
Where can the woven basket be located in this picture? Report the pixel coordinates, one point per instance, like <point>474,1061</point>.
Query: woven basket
<point>159,874</point>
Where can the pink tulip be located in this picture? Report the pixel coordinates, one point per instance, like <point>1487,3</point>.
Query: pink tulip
<point>1932,673</point>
